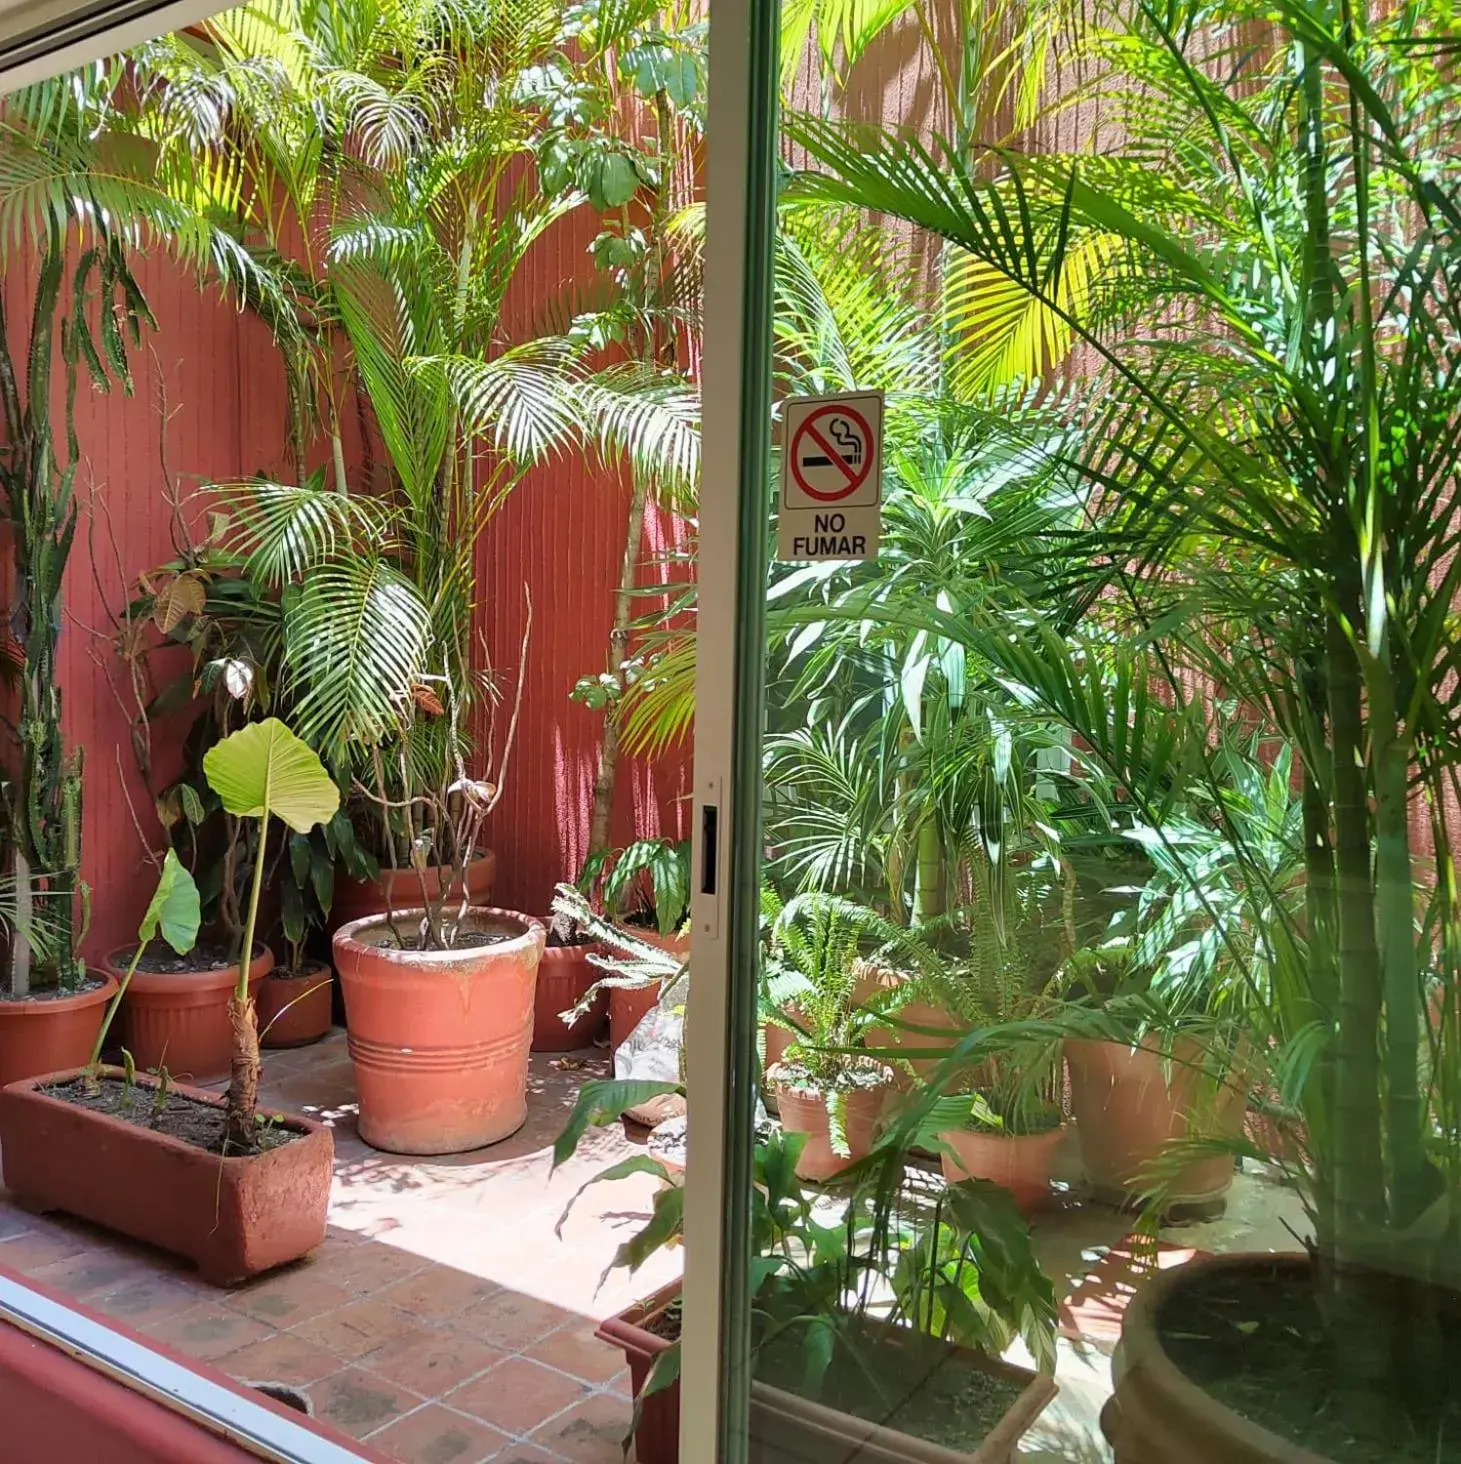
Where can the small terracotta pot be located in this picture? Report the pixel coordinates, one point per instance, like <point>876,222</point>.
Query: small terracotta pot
<point>354,899</point>
<point>1157,1413</point>
<point>564,976</point>
<point>440,1039</point>
<point>295,1006</point>
<point>1127,1109</point>
<point>803,1112</point>
<point>1021,1163</point>
<point>629,1006</point>
<point>180,1018</point>
<point>234,1217</point>
<point>45,1036</point>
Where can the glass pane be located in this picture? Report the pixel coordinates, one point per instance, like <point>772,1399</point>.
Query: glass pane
<point>1109,935</point>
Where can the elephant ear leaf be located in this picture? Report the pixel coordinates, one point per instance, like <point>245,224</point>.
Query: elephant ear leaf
<point>173,909</point>
<point>265,769</point>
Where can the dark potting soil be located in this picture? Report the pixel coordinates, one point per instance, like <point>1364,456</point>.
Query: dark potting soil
<point>1257,1342</point>
<point>56,993</point>
<point>467,940</point>
<point>198,1124</point>
<point>159,959</point>
<point>916,1385</point>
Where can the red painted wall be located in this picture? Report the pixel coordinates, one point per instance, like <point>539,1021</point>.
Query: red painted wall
<point>223,386</point>
<point>561,535</point>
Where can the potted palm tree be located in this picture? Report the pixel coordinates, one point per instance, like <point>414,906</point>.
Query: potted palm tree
<point>1276,531</point>
<point>209,1177</point>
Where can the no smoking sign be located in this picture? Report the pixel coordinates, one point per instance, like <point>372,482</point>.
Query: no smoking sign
<point>831,477</point>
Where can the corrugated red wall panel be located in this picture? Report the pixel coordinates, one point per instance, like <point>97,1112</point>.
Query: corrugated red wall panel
<point>561,535</point>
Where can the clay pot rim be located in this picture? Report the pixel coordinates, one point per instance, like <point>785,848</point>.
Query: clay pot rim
<point>1051,1136</point>
<point>34,1006</point>
<point>571,952</point>
<point>31,1087</point>
<point>535,934</point>
<point>1141,1347</point>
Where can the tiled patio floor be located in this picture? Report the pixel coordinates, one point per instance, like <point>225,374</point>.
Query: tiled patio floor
<point>443,1320</point>
<point>447,1321</point>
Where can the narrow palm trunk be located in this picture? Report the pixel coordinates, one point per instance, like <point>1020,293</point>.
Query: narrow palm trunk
<point>607,773</point>
<point>1395,912</point>
<point>1359,1194</point>
<point>929,894</point>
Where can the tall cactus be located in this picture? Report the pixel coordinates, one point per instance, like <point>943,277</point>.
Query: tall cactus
<point>42,797</point>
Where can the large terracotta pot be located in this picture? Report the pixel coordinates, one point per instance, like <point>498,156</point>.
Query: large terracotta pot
<point>234,1217</point>
<point>45,1035</point>
<point>629,1006</point>
<point>785,1427</point>
<point>564,976</point>
<point>295,1006</point>
<point>1128,1104</point>
<point>1021,1163</point>
<point>180,1018</point>
<point>804,1112</point>
<point>440,1039</point>
<point>1158,1414</point>
<point>401,888</point>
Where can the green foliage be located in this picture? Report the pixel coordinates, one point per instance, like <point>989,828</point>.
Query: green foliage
<point>172,912</point>
<point>1270,418</point>
<point>650,878</point>
<point>264,770</point>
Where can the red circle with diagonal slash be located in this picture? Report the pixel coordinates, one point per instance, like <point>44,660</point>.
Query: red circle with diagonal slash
<point>807,436</point>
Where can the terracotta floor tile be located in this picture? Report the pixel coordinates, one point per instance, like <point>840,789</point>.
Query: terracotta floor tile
<point>365,1266</point>
<point>436,1435</point>
<point>207,1332</point>
<point>89,1271</point>
<point>437,1293</point>
<point>13,1220</point>
<point>575,1349</point>
<point>433,1364</point>
<point>358,1403</point>
<point>512,1321</point>
<point>26,1254</point>
<point>360,1327</point>
<point>517,1396</point>
<point>529,1454</point>
<point>145,1299</point>
<point>593,1433</point>
<point>283,1358</point>
<point>288,1297</point>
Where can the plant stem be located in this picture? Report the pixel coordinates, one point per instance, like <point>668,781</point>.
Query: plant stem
<point>606,776</point>
<point>114,1005</point>
<point>240,1126</point>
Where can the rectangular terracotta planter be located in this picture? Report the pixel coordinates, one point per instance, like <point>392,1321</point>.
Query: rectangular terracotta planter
<point>234,1217</point>
<point>788,1429</point>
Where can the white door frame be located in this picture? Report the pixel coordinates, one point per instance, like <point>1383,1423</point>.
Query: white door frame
<point>734,516</point>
